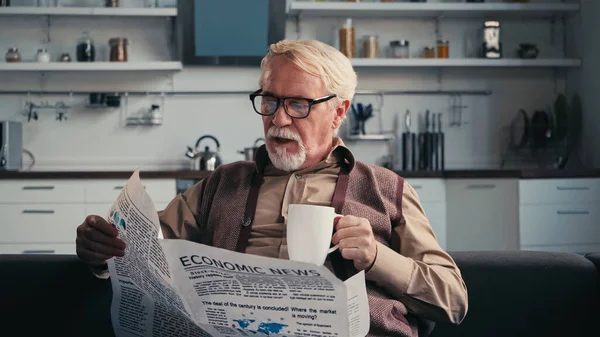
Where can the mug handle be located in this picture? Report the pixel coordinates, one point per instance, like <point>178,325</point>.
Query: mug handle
<point>333,249</point>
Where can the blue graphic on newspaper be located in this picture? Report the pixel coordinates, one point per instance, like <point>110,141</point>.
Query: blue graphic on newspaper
<point>267,328</point>
<point>117,220</point>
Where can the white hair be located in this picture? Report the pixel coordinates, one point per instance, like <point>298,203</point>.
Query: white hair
<point>318,59</point>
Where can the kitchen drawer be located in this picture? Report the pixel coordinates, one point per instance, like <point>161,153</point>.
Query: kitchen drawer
<point>552,191</point>
<point>38,248</point>
<point>41,191</point>
<point>559,224</point>
<point>429,189</point>
<point>107,190</point>
<point>38,223</point>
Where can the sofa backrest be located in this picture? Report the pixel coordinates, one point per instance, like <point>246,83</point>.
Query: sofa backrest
<point>525,293</point>
<point>510,294</point>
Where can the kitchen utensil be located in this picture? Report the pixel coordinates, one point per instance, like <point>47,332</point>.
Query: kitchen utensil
<point>541,130</point>
<point>434,164</point>
<point>423,141</point>
<point>407,144</point>
<point>561,115</point>
<point>440,142</point>
<point>427,151</point>
<point>519,130</point>
<point>207,160</point>
<point>250,152</point>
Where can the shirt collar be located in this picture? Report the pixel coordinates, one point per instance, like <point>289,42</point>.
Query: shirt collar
<point>339,154</point>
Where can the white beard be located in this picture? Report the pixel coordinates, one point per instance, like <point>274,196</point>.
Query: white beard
<point>280,158</point>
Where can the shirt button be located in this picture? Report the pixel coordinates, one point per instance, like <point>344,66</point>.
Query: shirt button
<point>298,176</point>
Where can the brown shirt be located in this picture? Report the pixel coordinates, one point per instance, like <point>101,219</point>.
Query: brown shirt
<point>414,269</point>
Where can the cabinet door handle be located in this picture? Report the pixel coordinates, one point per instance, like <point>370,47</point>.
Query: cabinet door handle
<point>481,186</point>
<point>38,211</point>
<point>572,212</point>
<point>38,251</point>
<point>572,188</point>
<point>37,188</point>
<point>118,187</point>
<point>417,187</point>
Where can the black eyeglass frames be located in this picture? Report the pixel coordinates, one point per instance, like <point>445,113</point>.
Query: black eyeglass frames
<point>296,107</point>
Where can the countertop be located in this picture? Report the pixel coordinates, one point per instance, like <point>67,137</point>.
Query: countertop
<point>186,174</point>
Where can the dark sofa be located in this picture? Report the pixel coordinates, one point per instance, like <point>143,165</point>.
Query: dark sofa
<point>511,294</point>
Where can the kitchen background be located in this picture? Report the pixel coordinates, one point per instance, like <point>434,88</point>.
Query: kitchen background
<point>472,206</point>
<point>98,139</point>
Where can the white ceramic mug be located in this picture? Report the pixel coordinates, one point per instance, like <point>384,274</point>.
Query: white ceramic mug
<point>309,232</point>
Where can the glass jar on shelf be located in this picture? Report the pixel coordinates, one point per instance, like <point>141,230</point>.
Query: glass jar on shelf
<point>13,55</point>
<point>443,47</point>
<point>118,49</point>
<point>400,49</point>
<point>347,39</point>
<point>86,51</point>
<point>371,46</point>
<point>429,52</point>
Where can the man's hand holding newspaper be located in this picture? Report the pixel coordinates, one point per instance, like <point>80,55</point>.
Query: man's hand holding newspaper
<point>182,288</point>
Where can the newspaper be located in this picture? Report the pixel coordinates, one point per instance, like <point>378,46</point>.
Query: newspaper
<point>165,287</point>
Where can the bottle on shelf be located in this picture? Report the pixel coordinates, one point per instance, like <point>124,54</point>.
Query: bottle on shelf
<point>347,39</point>
<point>86,51</point>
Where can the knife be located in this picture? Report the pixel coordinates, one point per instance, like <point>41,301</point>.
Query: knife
<point>434,148</point>
<point>421,143</point>
<point>441,141</point>
<point>407,146</point>
<point>427,145</point>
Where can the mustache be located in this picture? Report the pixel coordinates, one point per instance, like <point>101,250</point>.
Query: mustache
<point>276,132</point>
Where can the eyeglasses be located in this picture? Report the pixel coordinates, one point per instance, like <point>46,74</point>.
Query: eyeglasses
<point>295,107</point>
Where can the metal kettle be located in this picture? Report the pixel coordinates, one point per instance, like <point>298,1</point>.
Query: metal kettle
<point>250,152</point>
<point>206,160</point>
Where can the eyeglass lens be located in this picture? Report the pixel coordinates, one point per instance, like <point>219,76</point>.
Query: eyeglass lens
<point>296,107</point>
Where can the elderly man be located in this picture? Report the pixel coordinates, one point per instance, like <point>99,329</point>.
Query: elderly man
<point>305,90</point>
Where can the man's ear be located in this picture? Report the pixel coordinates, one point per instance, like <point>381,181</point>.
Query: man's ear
<point>340,113</point>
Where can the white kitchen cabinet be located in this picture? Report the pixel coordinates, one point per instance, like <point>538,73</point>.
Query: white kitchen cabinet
<point>560,215</point>
<point>107,190</point>
<point>40,216</point>
<point>482,214</point>
<point>432,195</point>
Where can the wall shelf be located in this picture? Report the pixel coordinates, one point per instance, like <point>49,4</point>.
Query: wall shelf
<point>432,10</point>
<point>467,62</point>
<point>89,11</point>
<point>91,66</point>
<point>369,137</point>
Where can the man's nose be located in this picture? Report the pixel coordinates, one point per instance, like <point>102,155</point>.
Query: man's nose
<point>281,118</point>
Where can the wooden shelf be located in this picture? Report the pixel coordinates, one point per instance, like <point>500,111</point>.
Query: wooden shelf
<point>88,11</point>
<point>91,66</point>
<point>433,10</point>
<point>466,63</point>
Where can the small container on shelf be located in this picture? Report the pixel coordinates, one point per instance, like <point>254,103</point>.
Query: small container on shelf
<point>112,3</point>
<point>371,46</point>
<point>13,55</point>
<point>118,49</point>
<point>86,51</point>
<point>347,39</point>
<point>65,57</point>
<point>429,52</point>
<point>400,49</point>
<point>443,49</point>
<point>43,56</point>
